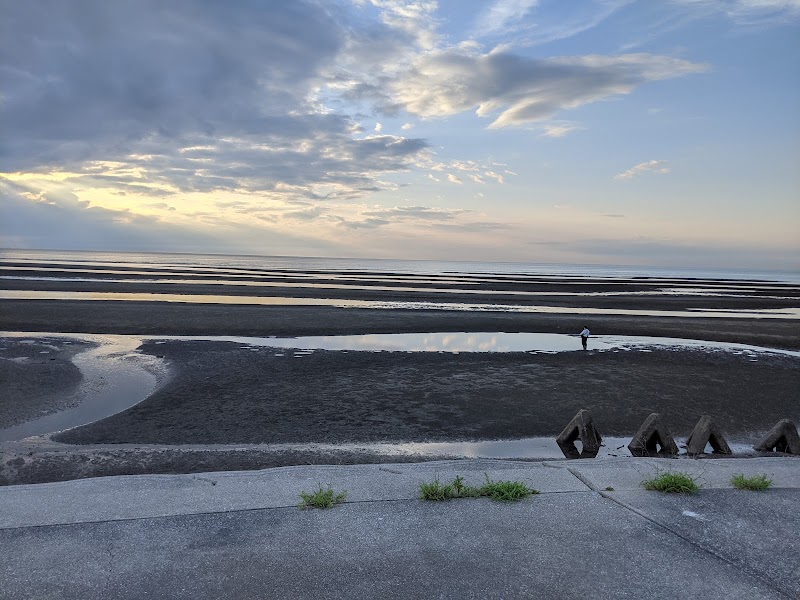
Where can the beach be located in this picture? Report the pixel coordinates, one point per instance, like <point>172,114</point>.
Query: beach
<point>232,405</point>
<point>222,393</point>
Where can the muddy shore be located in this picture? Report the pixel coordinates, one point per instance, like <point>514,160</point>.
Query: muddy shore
<point>223,394</point>
<point>37,377</point>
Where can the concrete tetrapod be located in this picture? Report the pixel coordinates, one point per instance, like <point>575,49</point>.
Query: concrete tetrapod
<point>653,439</point>
<point>580,427</point>
<point>706,432</point>
<point>781,438</point>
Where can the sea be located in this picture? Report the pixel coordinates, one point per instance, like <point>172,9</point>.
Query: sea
<point>233,262</point>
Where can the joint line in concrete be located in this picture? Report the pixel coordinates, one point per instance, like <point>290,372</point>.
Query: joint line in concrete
<point>753,574</point>
<point>583,479</point>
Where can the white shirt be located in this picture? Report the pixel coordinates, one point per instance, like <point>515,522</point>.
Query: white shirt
<point>585,332</point>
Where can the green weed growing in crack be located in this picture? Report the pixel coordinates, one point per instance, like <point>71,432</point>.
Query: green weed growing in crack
<point>756,483</point>
<point>501,491</point>
<point>672,482</point>
<point>321,498</point>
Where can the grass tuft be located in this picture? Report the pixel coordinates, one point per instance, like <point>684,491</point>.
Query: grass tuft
<point>672,483</point>
<point>435,491</point>
<point>321,498</point>
<point>501,491</point>
<point>756,483</point>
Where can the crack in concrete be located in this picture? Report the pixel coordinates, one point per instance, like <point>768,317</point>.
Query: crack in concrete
<point>109,569</point>
<point>583,479</point>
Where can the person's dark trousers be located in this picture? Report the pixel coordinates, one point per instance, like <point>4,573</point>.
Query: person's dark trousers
<point>583,341</point>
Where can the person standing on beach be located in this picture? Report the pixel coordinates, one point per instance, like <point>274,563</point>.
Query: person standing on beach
<point>584,337</point>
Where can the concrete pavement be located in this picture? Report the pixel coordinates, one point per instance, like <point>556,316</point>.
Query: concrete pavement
<point>241,535</point>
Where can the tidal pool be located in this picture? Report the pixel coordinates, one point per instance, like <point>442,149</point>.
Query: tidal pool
<point>476,342</point>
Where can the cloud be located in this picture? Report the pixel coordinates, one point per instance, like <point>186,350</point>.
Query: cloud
<point>59,220</point>
<point>517,90</point>
<point>533,22</point>
<point>406,126</point>
<point>503,13</point>
<point>161,206</point>
<point>307,214</point>
<point>415,212</point>
<point>158,99</point>
<point>155,99</point>
<point>747,12</point>
<point>453,179</point>
<point>650,166</point>
<point>474,226</point>
<point>419,218</point>
<point>496,176</point>
<point>558,130</point>
<point>371,223</point>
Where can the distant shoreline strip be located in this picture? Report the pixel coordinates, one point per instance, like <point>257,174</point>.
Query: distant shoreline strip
<point>780,313</point>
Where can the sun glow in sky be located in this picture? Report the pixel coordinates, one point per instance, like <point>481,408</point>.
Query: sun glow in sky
<point>592,131</point>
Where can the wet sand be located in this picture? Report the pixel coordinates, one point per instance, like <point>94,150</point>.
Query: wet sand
<point>225,394</point>
<point>161,318</point>
<point>37,377</point>
<point>226,407</point>
<point>618,295</point>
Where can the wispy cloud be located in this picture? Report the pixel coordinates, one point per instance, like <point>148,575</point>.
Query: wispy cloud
<point>417,18</point>
<point>415,212</point>
<point>747,12</point>
<point>502,13</point>
<point>651,166</point>
<point>582,15</point>
<point>558,130</point>
<point>375,218</point>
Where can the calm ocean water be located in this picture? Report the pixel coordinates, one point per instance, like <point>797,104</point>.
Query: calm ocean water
<point>427,267</point>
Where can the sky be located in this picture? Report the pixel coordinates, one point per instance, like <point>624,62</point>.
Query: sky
<point>633,132</point>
